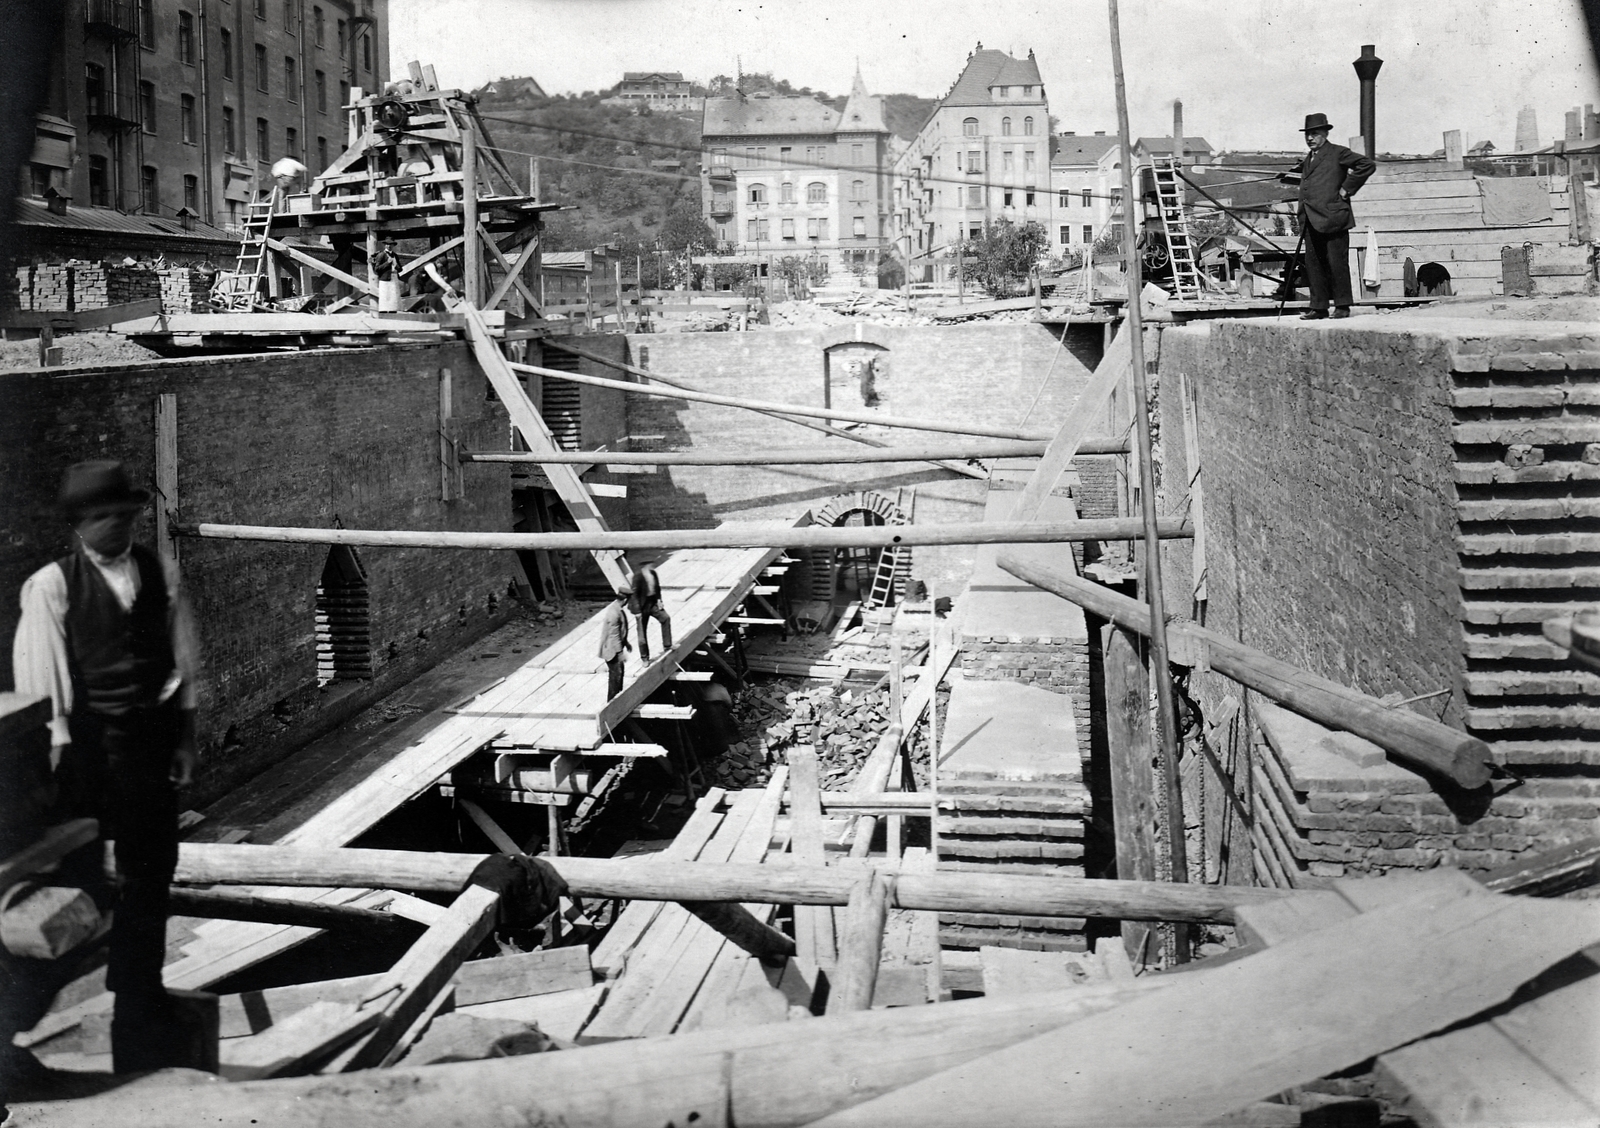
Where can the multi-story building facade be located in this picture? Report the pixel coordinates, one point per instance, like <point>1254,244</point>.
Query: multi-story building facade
<point>156,106</point>
<point>787,175</point>
<point>667,91</point>
<point>983,155</point>
<point>1084,179</point>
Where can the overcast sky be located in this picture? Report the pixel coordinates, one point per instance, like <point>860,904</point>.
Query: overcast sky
<point>1246,70</point>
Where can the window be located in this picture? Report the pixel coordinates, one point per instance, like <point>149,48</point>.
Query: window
<point>319,27</point>
<point>366,52</point>
<point>1063,200</point>
<point>230,136</point>
<point>1027,127</point>
<point>822,154</point>
<point>1088,233</point>
<point>288,15</point>
<point>786,193</point>
<point>811,229</point>
<point>291,81</point>
<point>1116,199</point>
<point>974,197</point>
<point>974,161</point>
<point>1006,198</point>
<point>94,88</point>
<point>291,142</point>
<point>858,190</point>
<point>186,38</point>
<point>343,32</point>
<point>227,54</point>
<point>749,156</point>
<point>1027,160</point>
<point>1027,92</point>
<point>149,196</point>
<point>1007,162</point>
<point>761,155</point>
<point>763,231</point>
<point>976,232</point>
<point>858,154</point>
<point>822,228</point>
<point>1066,233</point>
<point>322,92</point>
<point>816,192</point>
<point>1005,91</point>
<point>788,231</point>
<point>969,127</point>
<point>98,196</point>
<point>263,147</point>
<point>147,23</point>
<point>1005,127</point>
<point>322,153</point>
<point>858,227</point>
<point>344,93</point>
<point>1087,198</point>
<point>719,158</point>
<point>147,106</point>
<point>191,193</point>
<point>38,179</point>
<point>261,67</point>
<point>750,230</point>
<point>785,156</point>
<point>758,193</point>
<point>261,9</point>
<point>1028,198</point>
<point>186,118</point>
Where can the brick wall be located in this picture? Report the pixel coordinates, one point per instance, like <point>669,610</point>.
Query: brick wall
<point>983,373</point>
<point>348,437</point>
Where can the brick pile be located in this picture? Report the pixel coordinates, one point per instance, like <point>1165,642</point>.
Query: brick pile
<point>50,287</point>
<point>185,289</point>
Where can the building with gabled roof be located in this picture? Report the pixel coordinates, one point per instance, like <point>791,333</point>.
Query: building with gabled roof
<point>982,156</point>
<point>1085,181</point>
<point>657,90</point>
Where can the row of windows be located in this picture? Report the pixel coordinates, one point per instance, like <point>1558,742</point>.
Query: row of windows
<point>186,33</point>
<point>815,156</point>
<point>816,192</point>
<point>1066,233</point>
<point>1008,198</point>
<point>969,126</point>
<point>760,230</point>
<point>1064,199</point>
<point>1008,161</point>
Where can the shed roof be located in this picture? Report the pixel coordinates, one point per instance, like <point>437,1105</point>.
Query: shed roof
<point>735,116</point>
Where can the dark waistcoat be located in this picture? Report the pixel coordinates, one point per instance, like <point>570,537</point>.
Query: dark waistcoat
<point>120,659</point>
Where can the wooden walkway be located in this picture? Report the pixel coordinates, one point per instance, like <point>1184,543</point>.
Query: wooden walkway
<point>556,700</point>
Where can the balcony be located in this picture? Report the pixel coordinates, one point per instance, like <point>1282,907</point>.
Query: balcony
<point>722,205</point>
<point>721,172</point>
<point>110,112</point>
<point>114,19</point>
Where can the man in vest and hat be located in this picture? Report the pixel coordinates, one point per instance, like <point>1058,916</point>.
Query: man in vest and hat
<point>1328,176</point>
<point>106,634</point>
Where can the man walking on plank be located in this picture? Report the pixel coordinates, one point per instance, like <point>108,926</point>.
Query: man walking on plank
<point>614,640</point>
<point>1328,176</point>
<point>646,604</point>
<point>107,635</point>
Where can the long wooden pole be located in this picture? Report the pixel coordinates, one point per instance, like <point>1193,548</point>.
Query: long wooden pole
<point>472,250</point>
<point>1421,741</point>
<point>747,536</point>
<point>1166,707</point>
<point>804,456</point>
<point>208,863</point>
<point>849,416</point>
<point>861,948</point>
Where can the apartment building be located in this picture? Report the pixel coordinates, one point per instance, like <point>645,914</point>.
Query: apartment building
<point>664,91</point>
<point>787,175</point>
<point>173,107</point>
<point>982,156</point>
<point>1085,179</point>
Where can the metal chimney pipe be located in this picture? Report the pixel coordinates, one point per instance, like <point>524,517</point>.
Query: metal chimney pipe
<point>1177,130</point>
<point>1367,67</point>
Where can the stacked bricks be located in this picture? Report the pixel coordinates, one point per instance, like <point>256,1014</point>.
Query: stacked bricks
<point>51,288</point>
<point>1328,805</point>
<point>1011,800</point>
<point>185,289</point>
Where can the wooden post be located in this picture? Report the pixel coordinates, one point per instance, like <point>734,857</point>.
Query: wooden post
<point>935,671</point>
<point>1452,149</point>
<point>472,249</point>
<point>449,462</point>
<point>1166,708</point>
<point>166,474</point>
<point>895,826</point>
<point>1129,745</point>
<point>813,925</point>
<point>533,178</point>
<point>856,973</point>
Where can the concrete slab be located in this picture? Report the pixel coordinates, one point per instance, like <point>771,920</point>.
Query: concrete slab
<point>1009,730</point>
<point>998,605</point>
<point>1317,758</point>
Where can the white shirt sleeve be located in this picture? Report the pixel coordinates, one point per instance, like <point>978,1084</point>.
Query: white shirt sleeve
<point>39,666</point>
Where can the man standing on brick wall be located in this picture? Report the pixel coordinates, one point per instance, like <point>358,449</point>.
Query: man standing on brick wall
<point>107,635</point>
<point>1328,176</point>
<point>614,640</point>
<point>646,604</point>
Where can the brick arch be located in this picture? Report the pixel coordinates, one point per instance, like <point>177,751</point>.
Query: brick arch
<point>859,333</point>
<point>861,501</point>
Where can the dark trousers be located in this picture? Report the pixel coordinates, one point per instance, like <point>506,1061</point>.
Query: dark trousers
<point>654,610</point>
<point>117,770</point>
<point>1328,267</point>
<point>614,675</point>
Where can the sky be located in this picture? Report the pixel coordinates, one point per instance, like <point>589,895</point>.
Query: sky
<point>1247,71</point>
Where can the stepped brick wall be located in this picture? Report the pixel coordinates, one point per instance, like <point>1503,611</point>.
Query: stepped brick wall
<point>1398,503</point>
<point>352,438</point>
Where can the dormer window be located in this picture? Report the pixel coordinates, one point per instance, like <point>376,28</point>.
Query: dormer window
<point>1003,91</point>
<point>1027,92</point>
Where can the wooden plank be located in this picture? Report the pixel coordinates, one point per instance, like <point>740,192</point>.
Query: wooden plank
<point>813,926</point>
<point>297,1042</point>
<point>856,971</point>
<point>803,456</point>
<point>1316,1004</point>
<point>317,264</point>
<point>166,499</point>
<point>1130,747</point>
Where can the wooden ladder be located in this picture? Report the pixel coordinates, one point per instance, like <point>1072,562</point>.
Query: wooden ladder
<point>572,489</point>
<point>889,562</point>
<point>237,291</point>
<point>1169,195</point>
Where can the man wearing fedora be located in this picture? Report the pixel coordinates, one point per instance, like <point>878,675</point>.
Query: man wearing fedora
<point>106,634</point>
<point>1328,176</point>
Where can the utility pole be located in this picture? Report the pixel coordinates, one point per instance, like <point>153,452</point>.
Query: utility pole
<point>1166,705</point>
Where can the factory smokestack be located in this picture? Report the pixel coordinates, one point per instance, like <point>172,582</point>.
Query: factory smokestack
<point>1367,67</point>
<point>1177,130</point>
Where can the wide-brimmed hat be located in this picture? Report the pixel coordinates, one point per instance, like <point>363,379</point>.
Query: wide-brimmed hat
<point>1316,121</point>
<point>101,482</point>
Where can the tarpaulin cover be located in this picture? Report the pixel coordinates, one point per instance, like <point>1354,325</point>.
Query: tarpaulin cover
<point>1511,201</point>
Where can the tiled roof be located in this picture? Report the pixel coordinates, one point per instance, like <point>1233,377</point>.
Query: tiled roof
<point>862,113</point>
<point>1081,148</point>
<point>990,68</point>
<point>775,115</point>
<point>645,76</point>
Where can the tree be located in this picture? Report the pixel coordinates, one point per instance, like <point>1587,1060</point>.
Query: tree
<point>686,230</point>
<point>1004,255</point>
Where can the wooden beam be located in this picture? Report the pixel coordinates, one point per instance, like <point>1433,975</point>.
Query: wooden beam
<point>206,863</point>
<point>732,536</point>
<point>166,475</point>
<point>298,1042</point>
<point>813,925</point>
<point>233,904</point>
<point>472,282</point>
<point>741,927</point>
<point>422,260</point>
<point>317,264</point>
<point>48,849</point>
<point>856,973</point>
<point>513,273</point>
<point>1130,749</point>
<point>805,456</point>
<point>847,415</point>
<point>1421,741</point>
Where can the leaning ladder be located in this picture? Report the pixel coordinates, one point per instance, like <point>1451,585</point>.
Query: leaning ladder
<point>238,290</point>
<point>1185,270</point>
<point>883,582</point>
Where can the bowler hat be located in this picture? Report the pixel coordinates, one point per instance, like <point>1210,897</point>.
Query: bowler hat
<point>101,482</point>
<point>1316,121</point>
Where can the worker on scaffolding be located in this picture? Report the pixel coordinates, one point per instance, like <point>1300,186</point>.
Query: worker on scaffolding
<point>614,639</point>
<point>107,635</point>
<point>1328,176</point>
<point>645,603</point>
